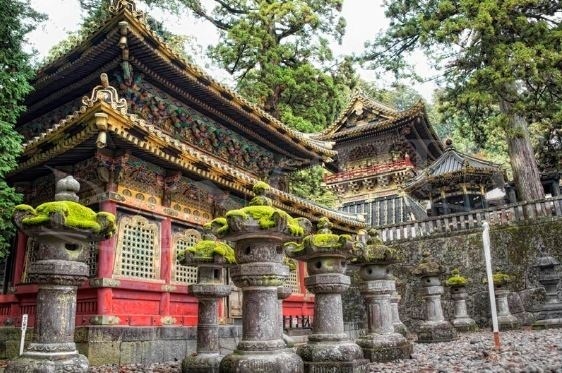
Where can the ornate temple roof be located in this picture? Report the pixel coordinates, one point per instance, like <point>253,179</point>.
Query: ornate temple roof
<point>454,166</point>
<point>104,113</point>
<point>126,36</point>
<point>364,117</point>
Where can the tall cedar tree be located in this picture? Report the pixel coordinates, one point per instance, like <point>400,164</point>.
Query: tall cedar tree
<point>16,20</point>
<point>501,61</point>
<point>279,55</point>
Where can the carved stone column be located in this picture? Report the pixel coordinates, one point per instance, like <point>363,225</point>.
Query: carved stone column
<point>329,348</point>
<point>284,292</point>
<point>435,328</point>
<point>506,321</point>
<point>550,315</point>
<point>462,322</point>
<point>210,256</point>
<point>399,327</point>
<point>63,230</point>
<point>259,232</point>
<point>382,342</point>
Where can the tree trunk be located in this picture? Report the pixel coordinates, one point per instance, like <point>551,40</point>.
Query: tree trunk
<point>271,104</point>
<point>526,174</point>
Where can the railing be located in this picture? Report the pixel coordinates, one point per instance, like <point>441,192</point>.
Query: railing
<point>367,171</point>
<point>297,322</point>
<point>502,215</point>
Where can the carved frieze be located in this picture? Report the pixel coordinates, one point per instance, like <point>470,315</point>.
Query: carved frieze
<point>180,120</point>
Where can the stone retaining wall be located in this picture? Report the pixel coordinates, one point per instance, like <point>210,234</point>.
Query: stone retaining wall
<point>514,250</point>
<point>129,345</point>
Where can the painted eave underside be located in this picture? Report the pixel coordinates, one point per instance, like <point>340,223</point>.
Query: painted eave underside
<point>77,132</point>
<point>100,52</point>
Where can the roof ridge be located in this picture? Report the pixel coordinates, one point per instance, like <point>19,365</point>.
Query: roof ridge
<point>117,7</point>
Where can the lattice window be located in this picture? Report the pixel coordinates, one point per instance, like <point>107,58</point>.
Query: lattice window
<point>183,240</point>
<point>30,257</point>
<point>92,260</point>
<point>138,248</point>
<point>293,281</point>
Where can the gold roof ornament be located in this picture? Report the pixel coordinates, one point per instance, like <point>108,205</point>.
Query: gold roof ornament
<point>117,6</point>
<point>106,93</point>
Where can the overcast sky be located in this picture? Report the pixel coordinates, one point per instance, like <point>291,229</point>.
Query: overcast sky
<point>365,18</point>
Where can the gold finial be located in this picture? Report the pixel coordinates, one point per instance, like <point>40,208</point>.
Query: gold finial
<point>107,93</point>
<point>117,6</point>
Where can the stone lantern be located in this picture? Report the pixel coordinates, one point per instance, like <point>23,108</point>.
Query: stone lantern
<point>435,328</point>
<point>329,348</point>
<point>550,315</point>
<point>457,283</point>
<point>395,298</point>
<point>259,232</point>
<point>210,256</point>
<point>506,321</point>
<point>63,230</point>
<point>382,342</point>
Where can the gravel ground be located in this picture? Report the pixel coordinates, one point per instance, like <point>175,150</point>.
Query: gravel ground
<point>522,351</point>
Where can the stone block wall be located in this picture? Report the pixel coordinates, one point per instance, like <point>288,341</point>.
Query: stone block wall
<point>514,249</point>
<point>129,345</point>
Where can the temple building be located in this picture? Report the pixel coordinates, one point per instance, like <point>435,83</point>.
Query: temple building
<point>165,147</point>
<point>455,182</point>
<point>378,150</point>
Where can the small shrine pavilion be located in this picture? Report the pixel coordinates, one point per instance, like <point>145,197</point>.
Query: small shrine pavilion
<point>164,147</point>
<point>378,149</point>
<point>455,182</point>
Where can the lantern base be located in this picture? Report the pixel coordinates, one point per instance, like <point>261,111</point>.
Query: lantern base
<point>385,347</point>
<point>202,363</point>
<point>337,357</point>
<point>281,361</point>
<point>48,363</point>
<point>436,331</point>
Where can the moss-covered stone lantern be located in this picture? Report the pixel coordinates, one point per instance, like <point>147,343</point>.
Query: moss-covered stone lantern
<point>210,256</point>
<point>382,342</point>
<point>63,230</point>
<point>259,232</point>
<point>457,283</point>
<point>550,314</point>
<point>326,255</point>
<point>435,328</point>
<point>506,321</point>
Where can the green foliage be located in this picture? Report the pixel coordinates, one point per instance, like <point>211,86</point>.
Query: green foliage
<point>278,53</point>
<point>500,61</point>
<point>76,216</point>
<point>399,96</point>
<point>308,184</point>
<point>98,13</point>
<point>17,18</point>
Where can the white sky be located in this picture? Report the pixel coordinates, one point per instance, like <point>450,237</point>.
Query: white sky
<point>365,18</point>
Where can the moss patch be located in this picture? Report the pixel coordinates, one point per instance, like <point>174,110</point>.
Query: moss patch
<point>76,215</point>
<point>456,279</point>
<point>207,249</point>
<point>265,215</point>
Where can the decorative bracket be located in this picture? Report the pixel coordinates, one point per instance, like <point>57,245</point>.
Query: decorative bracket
<point>107,93</point>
